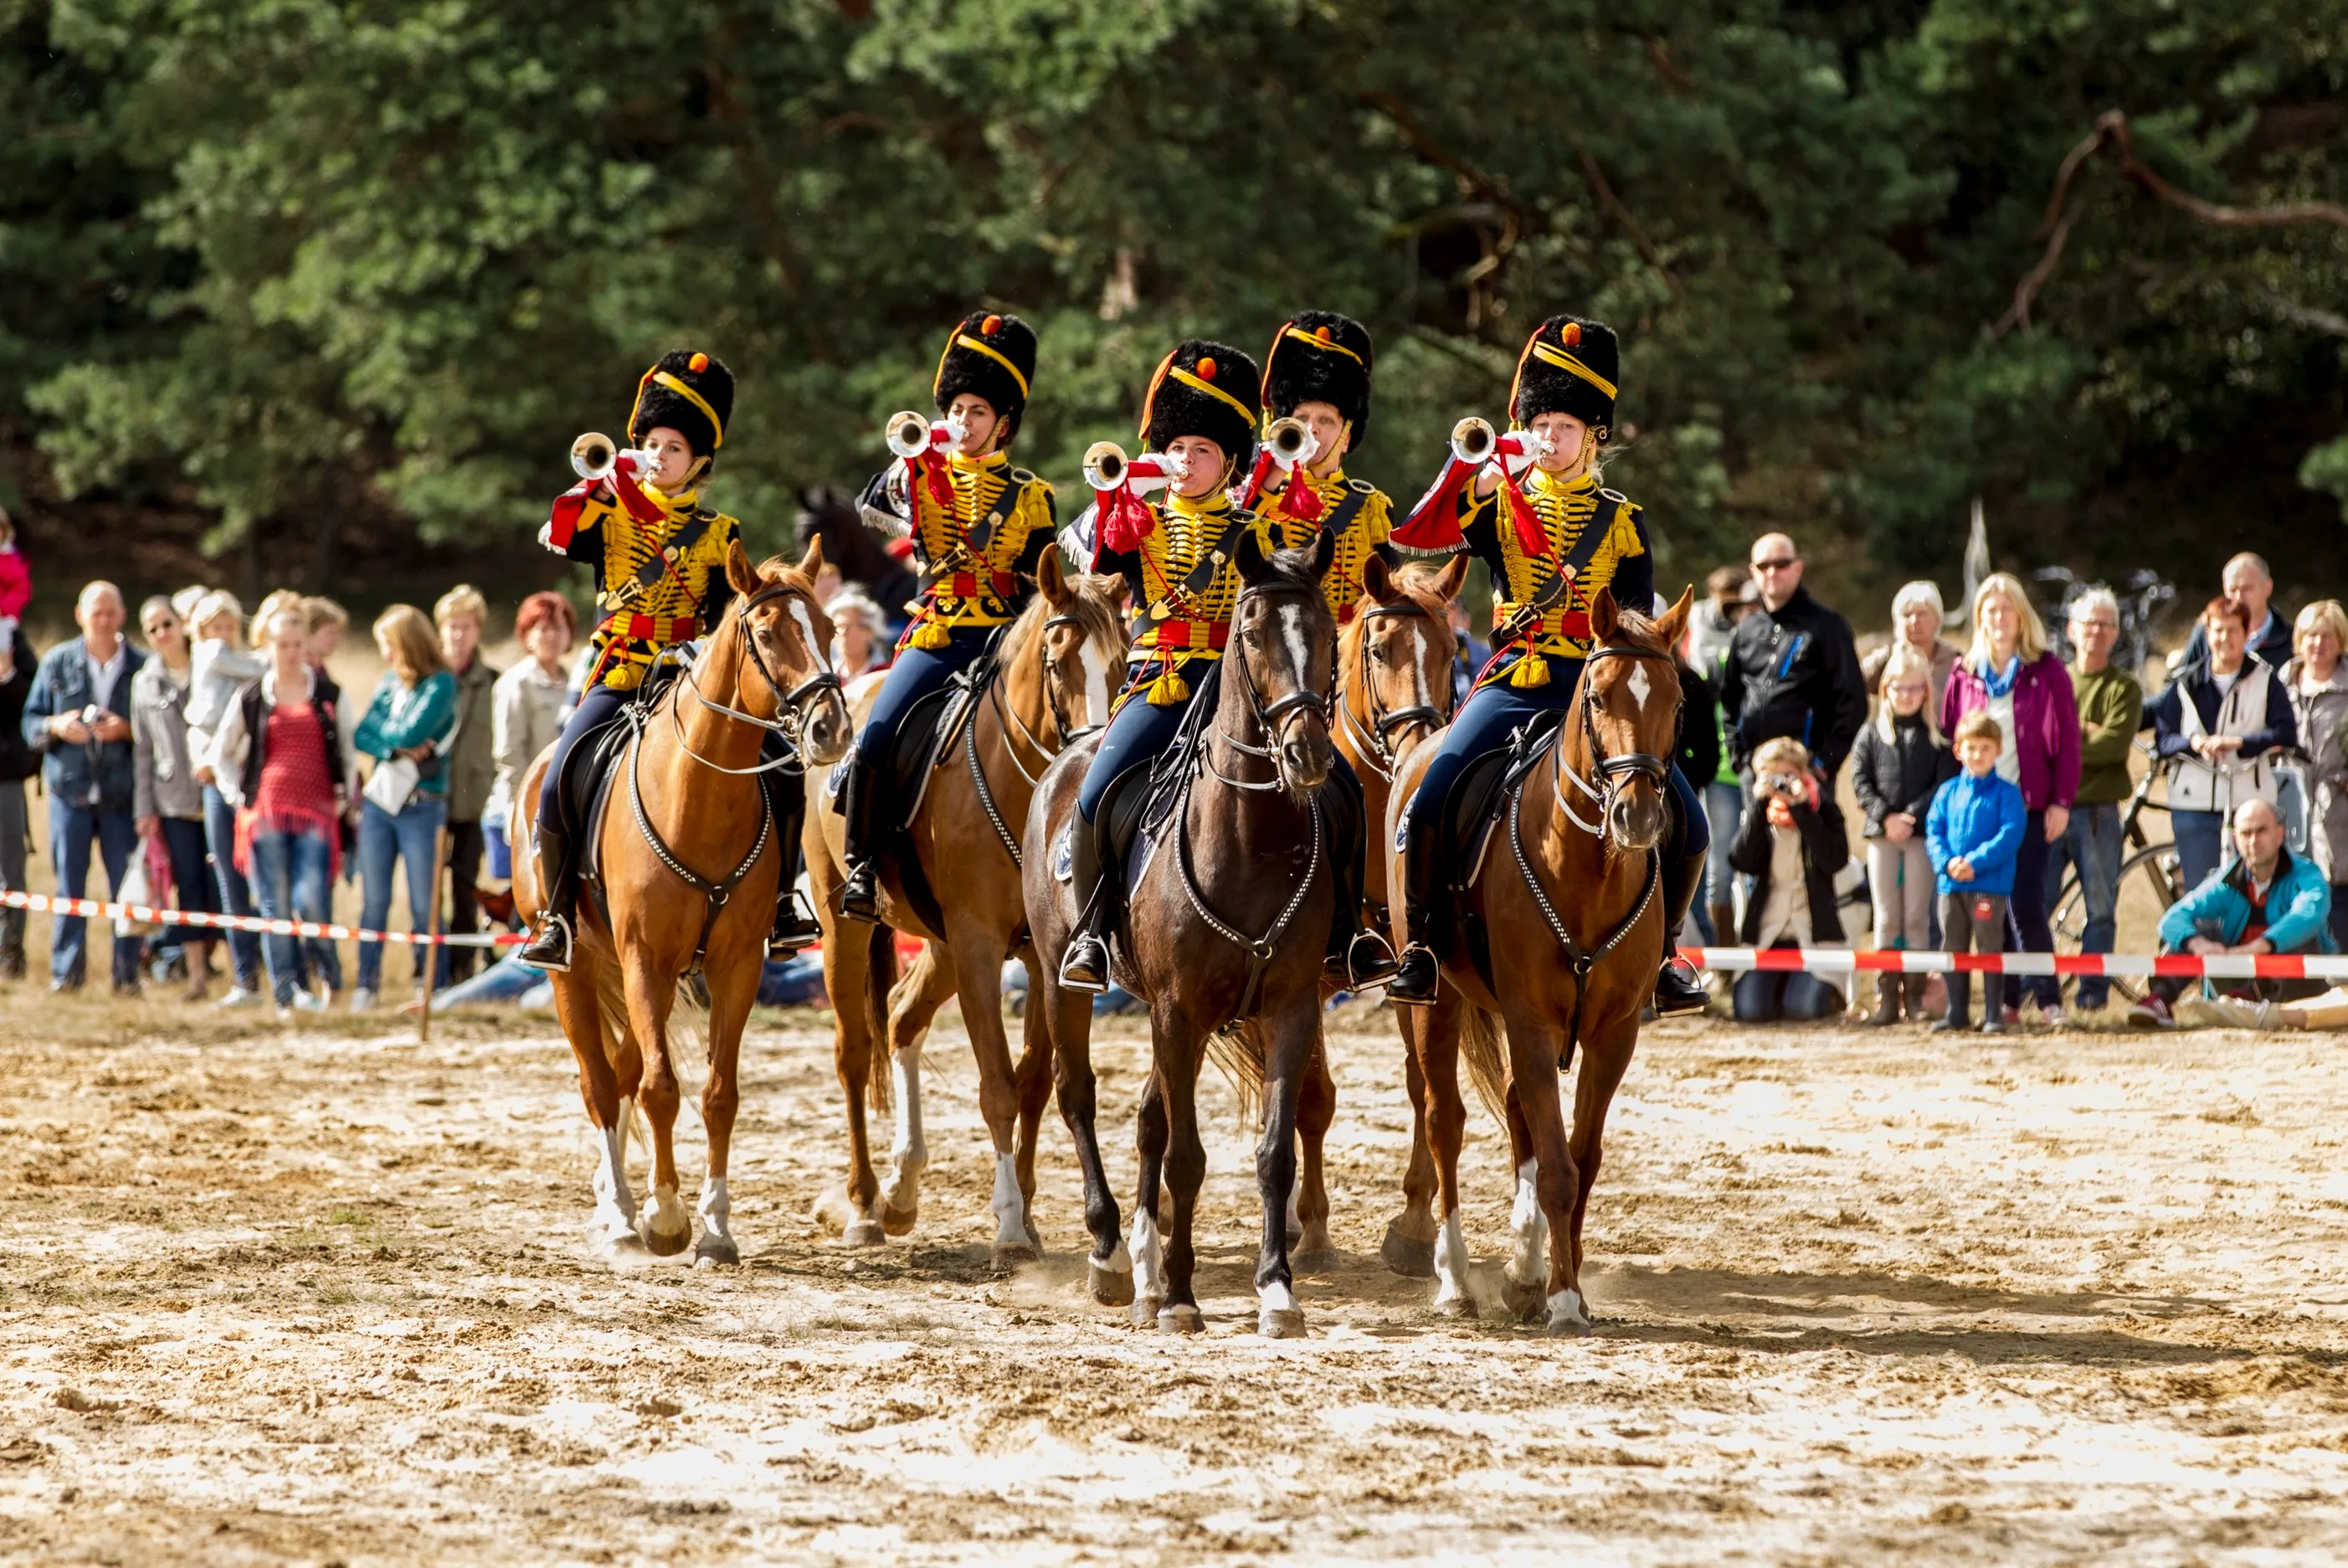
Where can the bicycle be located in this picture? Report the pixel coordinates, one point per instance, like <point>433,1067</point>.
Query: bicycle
<point>2147,866</point>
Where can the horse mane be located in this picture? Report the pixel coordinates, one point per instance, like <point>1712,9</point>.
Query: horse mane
<point>1415,580</point>
<point>1643,630</point>
<point>1091,603</point>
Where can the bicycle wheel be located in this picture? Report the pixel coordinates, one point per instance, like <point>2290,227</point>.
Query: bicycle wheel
<point>2147,886</point>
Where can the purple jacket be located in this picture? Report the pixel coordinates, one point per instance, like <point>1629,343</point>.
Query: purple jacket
<point>2047,716</point>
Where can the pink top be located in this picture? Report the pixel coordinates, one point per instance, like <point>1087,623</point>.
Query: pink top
<point>297,793</point>
<point>16,583</point>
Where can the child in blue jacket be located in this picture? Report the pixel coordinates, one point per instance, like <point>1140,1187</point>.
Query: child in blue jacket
<point>1973,833</point>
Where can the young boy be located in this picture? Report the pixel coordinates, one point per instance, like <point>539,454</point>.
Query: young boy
<point>1973,832</point>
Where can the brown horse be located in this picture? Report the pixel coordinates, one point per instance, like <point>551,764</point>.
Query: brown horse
<point>1054,684</point>
<point>1572,918</point>
<point>689,794</point>
<point>1243,853</point>
<point>1393,688</point>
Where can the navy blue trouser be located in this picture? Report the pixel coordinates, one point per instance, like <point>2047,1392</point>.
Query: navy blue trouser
<point>1138,734</point>
<point>1484,723</point>
<point>917,673</point>
<point>598,706</point>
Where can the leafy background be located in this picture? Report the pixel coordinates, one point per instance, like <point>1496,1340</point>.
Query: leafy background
<point>320,293</point>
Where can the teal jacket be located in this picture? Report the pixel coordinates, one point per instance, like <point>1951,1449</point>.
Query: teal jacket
<point>2299,909</point>
<point>402,717</point>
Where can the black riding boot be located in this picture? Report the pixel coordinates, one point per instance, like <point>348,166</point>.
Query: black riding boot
<point>1677,990</point>
<point>1357,955</point>
<point>860,895</point>
<point>1418,974</point>
<point>1085,965</point>
<point>795,927</point>
<point>549,947</point>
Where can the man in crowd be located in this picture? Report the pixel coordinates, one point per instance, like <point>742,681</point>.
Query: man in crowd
<point>2265,900</point>
<point>77,716</point>
<point>2111,711</point>
<point>2248,582</point>
<point>1792,668</point>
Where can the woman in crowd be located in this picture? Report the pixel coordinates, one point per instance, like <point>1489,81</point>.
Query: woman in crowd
<point>856,622</point>
<point>2319,704</point>
<point>219,668</point>
<point>2219,725</point>
<point>2010,674</point>
<point>407,729</point>
<point>1899,762</point>
<point>279,754</point>
<point>460,615</point>
<point>18,762</point>
<point>527,709</point>
<point>167,801</point>
<point>1916,620</point>
<point>1791,842</point>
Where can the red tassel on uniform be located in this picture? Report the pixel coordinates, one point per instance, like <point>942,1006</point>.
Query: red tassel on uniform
<point>1531,535</point>
<point>1120,521</point>
<point>1433,522</point>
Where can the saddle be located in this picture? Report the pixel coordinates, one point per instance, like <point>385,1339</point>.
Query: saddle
<point>1476,804</point>
<point>1141,802</point>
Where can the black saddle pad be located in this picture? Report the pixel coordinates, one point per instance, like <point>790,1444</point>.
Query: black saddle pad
<point>1144,800</point>
<point>1486,783</point>
<point>588,769</point>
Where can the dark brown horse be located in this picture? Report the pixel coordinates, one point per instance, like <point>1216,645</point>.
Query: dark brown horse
<point>689,794</point>
<point>1055,678</point>
<point>1228,919</point>
<point>1568,899</point>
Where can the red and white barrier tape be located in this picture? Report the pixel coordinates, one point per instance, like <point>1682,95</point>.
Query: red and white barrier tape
<point>2183,966</point>
<point>147,914</point>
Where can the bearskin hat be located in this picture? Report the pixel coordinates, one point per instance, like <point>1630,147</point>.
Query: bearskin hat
<point>1321,356</point>
<point>1207,389</point>
<point>993,355</point>
<point>691,394</point>
<point>1569,367</point>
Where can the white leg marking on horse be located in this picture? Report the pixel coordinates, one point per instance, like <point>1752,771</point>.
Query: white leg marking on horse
<point>816,649</point>
<point>1565,1312</point>
<point>1148,1259</point>
<point>668,1217</point>
<point>908,1153</point>
<point>1450,1264</point>
<point>1010,1205</point>
<point>1529,1226</point>
<point>714,1210</point>
<point>1640,686</point>
<point>1276,1297</point>
<point>615,1206</point>
<point>1095,683</point>
<point>1118,1261</point>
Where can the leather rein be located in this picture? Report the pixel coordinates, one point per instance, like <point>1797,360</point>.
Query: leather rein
<point>1374,736</point>
<point>1013,724</point>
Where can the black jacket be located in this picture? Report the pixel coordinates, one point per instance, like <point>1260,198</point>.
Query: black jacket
<point>1794,671</point>
<point>17,759</point>
<point>1825,850</point>
<point>1699,748</point>
<point>1898,775</point>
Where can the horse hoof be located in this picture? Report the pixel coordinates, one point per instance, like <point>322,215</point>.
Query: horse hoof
<point>1567,1319</point>
<point>1406,1254</point>
<point>1461,1307</point>
<point>898,1222</point>
<point>1006,1258</point>
<point>1145,1311</point>
<point>1320,1260</point>
<point>1279,1323</point>
<point>666,1246</point>
<point>716,1251</point>
<point>1523,1300</point>
<point>1109,1286</point>
<point>862,1232</point>
<point>1180,1318</point>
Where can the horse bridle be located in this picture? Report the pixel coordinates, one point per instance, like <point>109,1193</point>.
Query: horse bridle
<point>1069,733</point>
<point>1375,738</point>
<point>790,707</point>
<point>1613,772</point>
<point>1269,716</point>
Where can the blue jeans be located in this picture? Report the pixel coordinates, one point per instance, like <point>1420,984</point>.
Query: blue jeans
<point>413,836</point>
<point>1767,996</point>
<point>235,896</point>
<point>2092,843</point>
<point>290,874</point>
<point>917,673</point>
<point>2200,845</point>
<point>192,887</point>
<point>72,830</point>
<point>1723,809</point>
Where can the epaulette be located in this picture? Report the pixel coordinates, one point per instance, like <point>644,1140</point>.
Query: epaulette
<point>1022,478</point>
<point>1361,487</point>
<point>1617,496</point>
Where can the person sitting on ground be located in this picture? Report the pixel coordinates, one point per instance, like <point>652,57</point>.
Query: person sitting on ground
<point>1900,763</point>
<point>2265,900</point>
<point>1974,835</point>
<point>1791,842</point>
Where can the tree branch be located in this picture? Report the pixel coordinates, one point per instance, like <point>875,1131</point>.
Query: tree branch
<point>2113,135</point>
<point>1621,216</point>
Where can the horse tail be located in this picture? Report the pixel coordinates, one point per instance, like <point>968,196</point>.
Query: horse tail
<point>1237,1048</point>
<point>1487,1069</point>
<point>879,978</point>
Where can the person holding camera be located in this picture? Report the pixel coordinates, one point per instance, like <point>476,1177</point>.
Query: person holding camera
<point>1791,841</point>
<point>1975,832</point>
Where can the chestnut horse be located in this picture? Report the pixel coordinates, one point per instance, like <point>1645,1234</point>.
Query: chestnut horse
<point>1572,911</point>
<point>689,792</point>
<point>1227,921</point>
<point>1054,684</point>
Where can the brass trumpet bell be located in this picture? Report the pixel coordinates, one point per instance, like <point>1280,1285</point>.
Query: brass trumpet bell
<point>1472,439</point>
<point>1104,465</point>
<point>1292,442</point>
<point>908,433</point>
<point>592,456</point>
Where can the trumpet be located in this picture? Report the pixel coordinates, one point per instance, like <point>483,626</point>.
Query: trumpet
<point>909,434</point>
<point>1104,465</point>
<point>1472,439</point>
<point>1291,442</point>
<point>593,455</point>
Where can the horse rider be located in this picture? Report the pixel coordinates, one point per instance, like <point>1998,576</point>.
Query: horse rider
<point>659,559</point>
<point>1317,372</point>
<point>1537,516</point>
<point>1179,556</point>
<point>980,527</point>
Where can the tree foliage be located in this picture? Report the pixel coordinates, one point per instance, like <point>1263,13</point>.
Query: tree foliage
<point>296,261</point>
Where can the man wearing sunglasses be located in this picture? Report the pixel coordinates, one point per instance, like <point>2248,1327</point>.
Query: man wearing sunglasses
<point>1792,668</point>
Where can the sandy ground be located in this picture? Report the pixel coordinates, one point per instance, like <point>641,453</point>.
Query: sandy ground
<point>281,1294</point>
